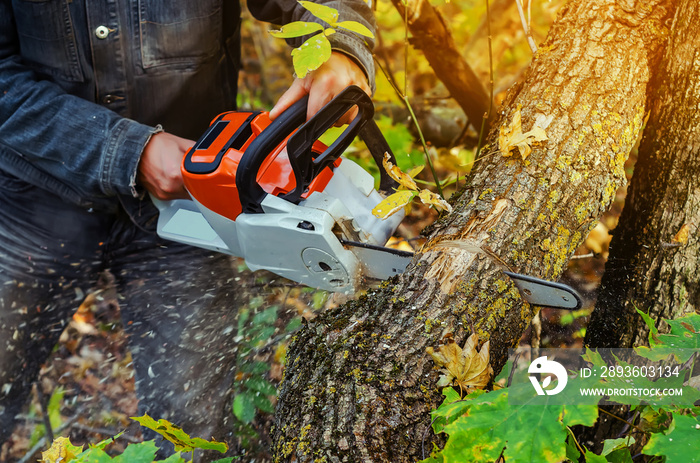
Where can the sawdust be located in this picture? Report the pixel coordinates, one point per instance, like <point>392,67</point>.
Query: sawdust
<point>455,256</point>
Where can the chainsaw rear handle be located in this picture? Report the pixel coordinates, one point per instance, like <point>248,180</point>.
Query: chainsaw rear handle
<point>301,157</point>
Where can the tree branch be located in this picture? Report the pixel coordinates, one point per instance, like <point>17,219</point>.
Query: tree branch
<point>432,36</point>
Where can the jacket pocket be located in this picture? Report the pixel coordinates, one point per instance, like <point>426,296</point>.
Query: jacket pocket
<point>47,38</point>
<point>179,32</point>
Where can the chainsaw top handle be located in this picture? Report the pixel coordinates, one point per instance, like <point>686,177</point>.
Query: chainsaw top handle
<point>306,165</point>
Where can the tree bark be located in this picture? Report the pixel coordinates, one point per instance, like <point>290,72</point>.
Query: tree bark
<point>359,385</point>
<point>646,269</point>
<point>432,36</point>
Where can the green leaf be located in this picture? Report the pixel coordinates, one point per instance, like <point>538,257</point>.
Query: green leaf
<point>593,458</point>
<point>650,324</point>
<point>323,12</point>
<point>505,372</point>
<point>182,441</point>
<point>572,452</point>
<point>244,407</point>
<point>86,455</point>
<point>175,458</point>
<point>684,334</point>
<point>54,407</point>
<point>481,427</point>
<point>293,325</point>
<point>224,460</point>
<point>243,316</point>
<point>296,29</point>
<point>262,403</point>
<point>610,445</point>
<point>142,452</point>
<point>620,456</point>
<point>689,395</point>
<point>263,336</point>
<point>256,302</point>
<point>680,443</point>
<point>319,298</point>
<point>261,385</point>
<point>254,368</point>
<point>654,420</point>
<point>145,452</point>
<point>266,317</point>
<point>435,456</point>
<point>356,27</point>
<point>311,55</point>
<point>96,456</point>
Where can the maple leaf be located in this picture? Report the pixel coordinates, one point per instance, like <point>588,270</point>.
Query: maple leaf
<point>465,366</point>
<point>61,450</point>
<point>512,136</point>
<point>675,443</point>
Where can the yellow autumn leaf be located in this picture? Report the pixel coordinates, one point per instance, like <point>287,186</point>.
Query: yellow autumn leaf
<point>311,55</point>
<point>393,203</point>
<point>512,137</point>
<point>415,171</point>
<point>431,199</point>
<point>356,28</point>
<point>397,174</point>
<point>180,439</point>
<point>466,366</point>
<point>61,450</point>
<point>683,234</point>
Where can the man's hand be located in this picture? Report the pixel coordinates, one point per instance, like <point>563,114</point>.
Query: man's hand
<point>323,84</point>
<point>159,168</point>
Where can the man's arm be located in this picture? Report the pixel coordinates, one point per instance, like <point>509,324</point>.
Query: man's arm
<point>351,61</point>
<point>85,146</point>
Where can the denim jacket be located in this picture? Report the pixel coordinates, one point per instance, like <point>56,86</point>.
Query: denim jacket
<point>84,84</point>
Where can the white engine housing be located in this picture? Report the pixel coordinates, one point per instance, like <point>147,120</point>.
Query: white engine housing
<point>299,242</point>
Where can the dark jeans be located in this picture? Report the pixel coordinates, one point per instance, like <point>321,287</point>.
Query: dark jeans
<point>177,304</point>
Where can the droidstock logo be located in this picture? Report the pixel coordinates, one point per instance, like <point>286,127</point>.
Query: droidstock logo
<point>547,367</point>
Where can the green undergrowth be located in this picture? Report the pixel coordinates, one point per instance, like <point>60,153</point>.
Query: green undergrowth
<point>63,451</point>
<point>488,427</point>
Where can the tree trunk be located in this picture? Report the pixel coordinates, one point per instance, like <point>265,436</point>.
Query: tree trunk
<point>359,385</point>
<point>432,35</point>
<point>647,269</point>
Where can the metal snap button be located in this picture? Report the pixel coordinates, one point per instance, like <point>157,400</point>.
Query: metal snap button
<point>102,32</point>
<point>107,99</point>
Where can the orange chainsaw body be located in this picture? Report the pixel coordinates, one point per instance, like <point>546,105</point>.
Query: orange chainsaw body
<point>209,169</point>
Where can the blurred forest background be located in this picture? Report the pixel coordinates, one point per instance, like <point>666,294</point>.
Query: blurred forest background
<point>87,390</point>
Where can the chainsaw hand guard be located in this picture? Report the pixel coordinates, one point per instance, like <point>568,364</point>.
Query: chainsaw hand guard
<point>306,164</point>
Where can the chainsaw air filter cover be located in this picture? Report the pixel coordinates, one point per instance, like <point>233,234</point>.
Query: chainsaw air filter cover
<point>209,168</point>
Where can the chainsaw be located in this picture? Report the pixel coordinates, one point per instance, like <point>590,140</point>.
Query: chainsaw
<point>272,193</point>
